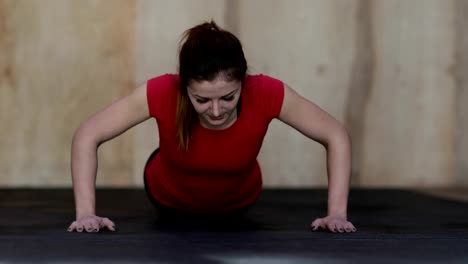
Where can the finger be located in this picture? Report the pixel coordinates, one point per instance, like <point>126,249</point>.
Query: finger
<point>315,224</point>
<point>79,227</point>
<point>106,222</point>
<point>323,225</point>
<point>95,226</point>
<point>72,227</point>
<point>111,227</point>
<point>348,227</point>
<point>316,221</point>
<point>353,228</point>
<point>88,226</point>
<point>340,228</point>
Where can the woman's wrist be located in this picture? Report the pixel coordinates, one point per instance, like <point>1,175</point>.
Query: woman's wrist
<point>83,211</point>
<point>338,208</point>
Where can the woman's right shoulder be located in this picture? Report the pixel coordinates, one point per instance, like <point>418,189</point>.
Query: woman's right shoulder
<point>163,81</point>
<point>161,93</point>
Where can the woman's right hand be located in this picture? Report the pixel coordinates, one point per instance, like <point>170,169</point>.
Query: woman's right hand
<point>91,224</point>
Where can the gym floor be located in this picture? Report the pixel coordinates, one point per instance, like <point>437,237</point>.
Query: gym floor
<point>394,226</point>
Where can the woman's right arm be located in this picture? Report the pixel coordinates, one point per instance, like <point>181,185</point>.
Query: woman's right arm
<point>105,125</point>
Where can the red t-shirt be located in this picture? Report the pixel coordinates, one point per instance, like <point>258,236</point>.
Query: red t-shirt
<point>220,171</point>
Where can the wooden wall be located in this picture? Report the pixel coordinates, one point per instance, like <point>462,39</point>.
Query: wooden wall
<point>394,72</point>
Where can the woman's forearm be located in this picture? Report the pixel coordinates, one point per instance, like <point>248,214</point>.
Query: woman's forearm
<point>83,169</point>
<point>339,171</point>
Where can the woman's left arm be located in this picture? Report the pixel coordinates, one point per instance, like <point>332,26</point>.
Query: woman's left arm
<point>318,125</point>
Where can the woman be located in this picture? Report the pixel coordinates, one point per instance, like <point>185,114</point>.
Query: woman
<point>212,118</point>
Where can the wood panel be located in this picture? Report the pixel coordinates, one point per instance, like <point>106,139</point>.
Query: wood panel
<point>394,72</point>
<point>461,70</point>
<point>309,45</point>
<point>410,117</point>
<point>361,83</point>
<point>64,62</point>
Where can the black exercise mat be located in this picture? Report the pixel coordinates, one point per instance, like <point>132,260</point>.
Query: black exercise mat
<point>393,226</point>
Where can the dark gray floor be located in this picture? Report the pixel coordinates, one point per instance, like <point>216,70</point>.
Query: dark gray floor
<point>394,226</point>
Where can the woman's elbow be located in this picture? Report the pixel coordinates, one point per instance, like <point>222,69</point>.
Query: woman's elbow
<point>339,136</point>
<point>86,134</point>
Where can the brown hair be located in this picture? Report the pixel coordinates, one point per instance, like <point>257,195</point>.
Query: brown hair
<point>206,52</point>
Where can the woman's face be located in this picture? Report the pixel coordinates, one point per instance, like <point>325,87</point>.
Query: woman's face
<point>215,101</point>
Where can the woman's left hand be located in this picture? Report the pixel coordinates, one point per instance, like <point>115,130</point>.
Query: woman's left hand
<point>334,224</point>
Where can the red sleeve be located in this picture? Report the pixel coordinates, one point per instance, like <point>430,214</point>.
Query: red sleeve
<point>160,91</point>
<point>272,96</point>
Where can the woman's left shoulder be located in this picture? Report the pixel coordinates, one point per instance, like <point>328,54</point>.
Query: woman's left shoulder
<point>263,81</point>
